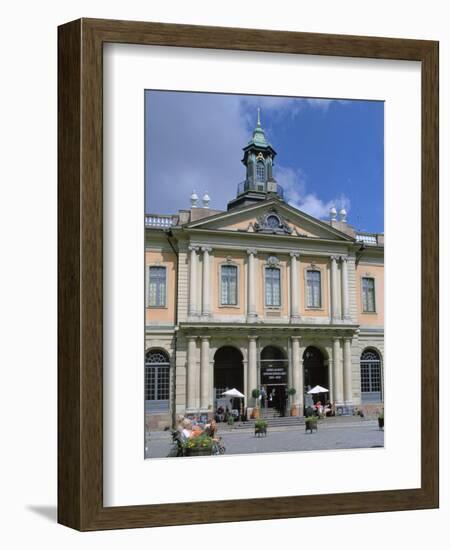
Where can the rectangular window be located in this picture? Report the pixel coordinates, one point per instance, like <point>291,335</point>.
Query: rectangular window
<point>228,282</point>
<point>368,294</point>
<point>313,289</point>
<point>157,388</point>
<point>157,286</point>
<point>273,291</point>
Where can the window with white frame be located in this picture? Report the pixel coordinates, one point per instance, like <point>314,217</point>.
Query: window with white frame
<point>228,285</point>
<point>260,171</point>
<point>368,294</point>
<point>273,286</point>
<point>370,376</point>
<point>313,288</point>
<point>157,285</point>
<point>157,380</point>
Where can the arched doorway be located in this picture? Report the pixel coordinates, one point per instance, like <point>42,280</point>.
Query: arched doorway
<point>157,381</point>
<point>315,370</point>
<point>371,386</point>
<point>228,374</point>
<point>274,369</point>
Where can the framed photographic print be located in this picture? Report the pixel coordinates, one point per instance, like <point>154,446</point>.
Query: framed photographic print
<point>248,274</point>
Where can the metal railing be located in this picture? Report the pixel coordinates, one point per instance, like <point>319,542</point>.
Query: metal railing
<point>245,186</point>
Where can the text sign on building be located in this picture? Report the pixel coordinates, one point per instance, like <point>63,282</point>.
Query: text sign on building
<point>273,375</point>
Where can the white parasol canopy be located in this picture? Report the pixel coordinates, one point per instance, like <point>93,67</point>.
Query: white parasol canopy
<point>318,389</point>
<point>234,393</point>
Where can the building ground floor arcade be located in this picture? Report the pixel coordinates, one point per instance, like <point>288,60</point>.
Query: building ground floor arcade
<point>188,369</point>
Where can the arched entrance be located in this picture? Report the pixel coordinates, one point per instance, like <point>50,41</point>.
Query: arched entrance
<point>315,370</point>
<point>228,374</point>
<point>274,369</point>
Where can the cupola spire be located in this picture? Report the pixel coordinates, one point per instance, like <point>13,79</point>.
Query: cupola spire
<point>259,183</point>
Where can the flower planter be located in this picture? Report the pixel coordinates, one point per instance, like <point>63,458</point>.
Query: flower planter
<point>311,425</point>
<point>255,413</point>
<point>260,432</point>
<point>295,410</point>
<point>198,451</point>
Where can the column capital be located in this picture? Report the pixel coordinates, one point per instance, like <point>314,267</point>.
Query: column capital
<point>334,258</point>
<point>296,337</point>
<point>206,249</point>
<point>205,338</point>
<point>191,338</point>
<point>193,248</point>
<point>344,259</point>
<point>347,338</point>
<point>336,338</point>
<point>251,251</point>
<point>294,254</point>
<point>252,337</point>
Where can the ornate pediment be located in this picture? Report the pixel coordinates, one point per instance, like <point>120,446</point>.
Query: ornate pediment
<point>270,218</point>
<point>272,222</point>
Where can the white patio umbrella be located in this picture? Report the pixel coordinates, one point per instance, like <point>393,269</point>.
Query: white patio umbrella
<point>234,393</point>
<point>318,389</point>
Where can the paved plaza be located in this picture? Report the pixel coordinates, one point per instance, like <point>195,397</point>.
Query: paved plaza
<point>348,434</point>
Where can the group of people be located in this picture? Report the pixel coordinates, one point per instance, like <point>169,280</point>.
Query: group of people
<point>192,428</point>
<point>319,409</point>
<point>222,414</point>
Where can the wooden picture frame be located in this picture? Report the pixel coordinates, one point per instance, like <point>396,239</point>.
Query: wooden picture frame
<point>80,272</point>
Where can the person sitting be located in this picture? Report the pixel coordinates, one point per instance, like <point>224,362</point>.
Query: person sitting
<point>319,408</point>
<point>211,429</point>
<point>196,430</point>
<point>186,432</point>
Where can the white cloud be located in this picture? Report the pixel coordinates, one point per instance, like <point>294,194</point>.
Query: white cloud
<point>295,191</point>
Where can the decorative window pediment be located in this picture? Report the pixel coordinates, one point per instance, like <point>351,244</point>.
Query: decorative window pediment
<point>272,261</point>
<point>272,222</point>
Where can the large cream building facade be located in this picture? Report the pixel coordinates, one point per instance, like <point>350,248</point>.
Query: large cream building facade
<point>260,295</point>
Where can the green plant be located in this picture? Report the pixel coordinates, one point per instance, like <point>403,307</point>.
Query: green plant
<point>381,415</point>
<point>260,424</point>
<point>311,419</point>
<point>291,391</point>
<point>230,420</point>
<point>255,394</point>
<point>201,441</point>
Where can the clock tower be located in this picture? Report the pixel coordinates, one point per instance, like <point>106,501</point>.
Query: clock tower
<point>258,159</point>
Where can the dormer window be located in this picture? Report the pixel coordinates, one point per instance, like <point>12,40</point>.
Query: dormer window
<point>260,171</point>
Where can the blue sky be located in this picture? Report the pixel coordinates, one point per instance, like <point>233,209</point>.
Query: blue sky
<point>330,152</point>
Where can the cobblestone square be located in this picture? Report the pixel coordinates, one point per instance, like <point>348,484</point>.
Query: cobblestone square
<point>337,435</point>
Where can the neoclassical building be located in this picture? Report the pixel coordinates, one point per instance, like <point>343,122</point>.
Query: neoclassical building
<point>260,295</point>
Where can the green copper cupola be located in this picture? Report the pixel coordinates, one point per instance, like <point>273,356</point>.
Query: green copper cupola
<point>258,159</point>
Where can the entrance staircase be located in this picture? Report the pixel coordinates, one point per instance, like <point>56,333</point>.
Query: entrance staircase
<point>274,420</point>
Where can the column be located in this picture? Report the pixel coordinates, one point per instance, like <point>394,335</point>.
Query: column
<point>193,280</point>
<point>206,282</point>
<point>205,397</point>
<point>192,374</point>
<point>297,373</point>
<point>295,318</point>
<point>334,289</point>
<point>252,380</point>
<point>251,283</point>
<point>344,286</point>
<point>348,398</point>
<point>337,373</point>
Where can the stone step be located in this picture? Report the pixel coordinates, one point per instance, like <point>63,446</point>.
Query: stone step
<point>281,421</point>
